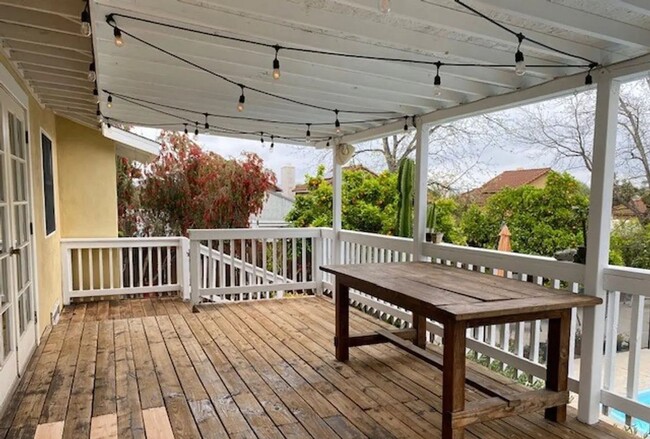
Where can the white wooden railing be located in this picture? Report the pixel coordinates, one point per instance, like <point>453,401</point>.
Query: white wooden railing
<point>101,267</point>
<point>253,264</point>
<point>250,264</point>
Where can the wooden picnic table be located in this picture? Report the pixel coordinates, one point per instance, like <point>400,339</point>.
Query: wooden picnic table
<point>461,299</point>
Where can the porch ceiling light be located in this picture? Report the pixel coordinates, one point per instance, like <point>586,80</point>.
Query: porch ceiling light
<point>437,89</point>
<point>117,33</point>
<point>308,134</point>
<point>337,124</point>
<point>86,28</point>
<point>207,125</point>
<point>520,64</point>
<point>276,64</point>
<point>92,74</point>
<point>242,100</point>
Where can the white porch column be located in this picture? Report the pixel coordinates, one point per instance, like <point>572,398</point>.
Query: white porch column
<point>421,184</point>
<point>337,186</point>
<point>600,212</point>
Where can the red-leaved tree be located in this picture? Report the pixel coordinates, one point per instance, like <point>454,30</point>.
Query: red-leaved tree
<point>186,187</point>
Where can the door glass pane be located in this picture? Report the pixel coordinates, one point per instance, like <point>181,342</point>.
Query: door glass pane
<point>16,136</point>
<point>21,314</point>
<point>3,196</point>
<point>6,336</point>
<point>24,267</point>
<point>4,281</point>
<point>4,231</point>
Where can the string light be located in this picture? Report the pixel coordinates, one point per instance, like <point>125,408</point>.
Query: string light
<point>272,141</point>
<point>384,6</point>
<point>196,128</point>
<point>108,122</point>
<point>589,79</point>
<point>109,101</point>
<point>86,28</point>
<point>262,138</point>
<point>337,124</point>
<point>276,64</point>
<point>242,100</point>
<point>520,64</point>
<point>96,94</point>
<point>99,111</point>
<point>406,123</point>
<point>308,134</point>
<point>185,130</point>
<point>437,90</point>
<point>207,125</point>
<point>328,141</point>
<point>92,73</point>
<point>117,33</point>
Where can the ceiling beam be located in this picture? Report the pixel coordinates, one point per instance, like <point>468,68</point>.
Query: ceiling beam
<point>266,30</point>
<point>584,22</point>
<point>38,20</point>
<point>445,17</point>
<point>37,49</point>
<point>59,80</point>
<point>14,32</point>
<point>76,74</point>
<point>641,6</point>
<point>69,8</point>
<point>48,61</point>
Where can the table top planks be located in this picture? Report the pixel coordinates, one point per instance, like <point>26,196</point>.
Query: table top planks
<point>448,293</point>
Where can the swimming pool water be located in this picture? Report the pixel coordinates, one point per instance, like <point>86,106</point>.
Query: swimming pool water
<point>642,427</point>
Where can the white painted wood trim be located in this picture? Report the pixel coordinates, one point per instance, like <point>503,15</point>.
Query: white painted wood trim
<point>600,212</point>
<point>13,87</point>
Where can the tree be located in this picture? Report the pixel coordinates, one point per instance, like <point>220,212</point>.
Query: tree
<point>186,187</point>
<point>565,127</point>
<point>127,196</point>
<point>455,151</point>
<point>368,204</point>
<point>542,221</point>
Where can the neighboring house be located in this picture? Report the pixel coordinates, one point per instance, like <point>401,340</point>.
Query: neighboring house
<point>303,188</point>
<point>57,181</point>
<point>622,213</point>
<point>279,201</point>
<point>513,179</point>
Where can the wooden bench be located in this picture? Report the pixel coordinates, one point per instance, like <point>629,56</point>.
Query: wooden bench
<point>460,299</point>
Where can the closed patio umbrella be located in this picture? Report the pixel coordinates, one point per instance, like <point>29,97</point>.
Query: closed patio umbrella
<point>505,244</point>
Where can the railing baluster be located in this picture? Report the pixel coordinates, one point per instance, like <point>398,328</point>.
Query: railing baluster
<point>159,273</point>
<point>303,249</point>
<point>101,268</point>
<point>169,265</point>
<point>91,274</point>
<point>254,260</point>
<point>111,281</point>
<point>141,264</point>
<point>611,338</point>
<point>231,249</point>
<point>150,266</point>
<point>80,279</point>
<point>634,358</point>
<point>131,283</point>
<point>242,270</point>
<point>274,247</point>
<point>264,261</point>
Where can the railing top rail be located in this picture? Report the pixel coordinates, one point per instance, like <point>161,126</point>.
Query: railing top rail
<point>517,262</point>
<point>120,242</point>
<point>275,233</point>
<point>373,240</point>
<point>627,279</point>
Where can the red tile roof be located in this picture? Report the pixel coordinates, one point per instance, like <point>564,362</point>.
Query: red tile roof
<point>512,179</point>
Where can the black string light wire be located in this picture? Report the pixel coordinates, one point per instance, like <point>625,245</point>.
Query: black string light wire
<point>110,19</point>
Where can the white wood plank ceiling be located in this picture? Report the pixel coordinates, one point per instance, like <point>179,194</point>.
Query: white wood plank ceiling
<point>42,37</point>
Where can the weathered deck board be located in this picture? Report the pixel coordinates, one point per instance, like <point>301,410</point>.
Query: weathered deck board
<point>259,369</point>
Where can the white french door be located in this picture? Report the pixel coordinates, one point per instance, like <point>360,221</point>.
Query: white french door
<point>17,322</point>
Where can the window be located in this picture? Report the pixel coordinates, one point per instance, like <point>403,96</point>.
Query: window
<point>48,184</point>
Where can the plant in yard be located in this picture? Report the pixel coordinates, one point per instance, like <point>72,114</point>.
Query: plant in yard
<point>405,189</point>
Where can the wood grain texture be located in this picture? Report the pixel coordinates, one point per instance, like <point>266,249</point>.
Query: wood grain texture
<point>268,370</point>
<point>156,423</point>
<point>51,430</point>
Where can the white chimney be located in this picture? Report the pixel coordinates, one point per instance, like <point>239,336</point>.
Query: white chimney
<point>287,180</point>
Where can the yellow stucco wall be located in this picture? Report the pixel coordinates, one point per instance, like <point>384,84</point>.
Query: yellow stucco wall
<point>47,266</point>
<point>87,190</point>
<point>539,182</point>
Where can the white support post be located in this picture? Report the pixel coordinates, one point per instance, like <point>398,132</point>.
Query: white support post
<point>337,193</point>
<point>421,190</point>
<point>183,266</point>
<point>600,212</point>
<point>317,252</point>
<point>195,270</point>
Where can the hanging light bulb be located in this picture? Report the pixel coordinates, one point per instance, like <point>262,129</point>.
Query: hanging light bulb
<point>92,74</point>
<point>262,138</point>
<point>109,101</point>
<point>337,124</point>
<point>520,64</point>
<point>272,142</point>
<point>196,128</point>
<point>185,130</point>
<point>308,134</point>
<point>328,142</point>
<point>384,6</point>
<point>117,33</point>
<point>276,64</point>
<point>99,111</point>
<point>86,29</point>
<point>242,100</point>
<point>437,89</point>
<point>589,79</point>
<point>406,123</point>
<point>108,122</point>
<point>207,125</point>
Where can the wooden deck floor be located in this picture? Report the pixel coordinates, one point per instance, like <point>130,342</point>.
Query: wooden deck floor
<point>150,368</point>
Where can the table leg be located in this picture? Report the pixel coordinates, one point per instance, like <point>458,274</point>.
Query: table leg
<point>557,371</point>
<point>453,377</point>
<point>342,335</point>
<point>420,326</point>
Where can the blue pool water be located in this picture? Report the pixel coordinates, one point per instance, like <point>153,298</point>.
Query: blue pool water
<point>641,426</point>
